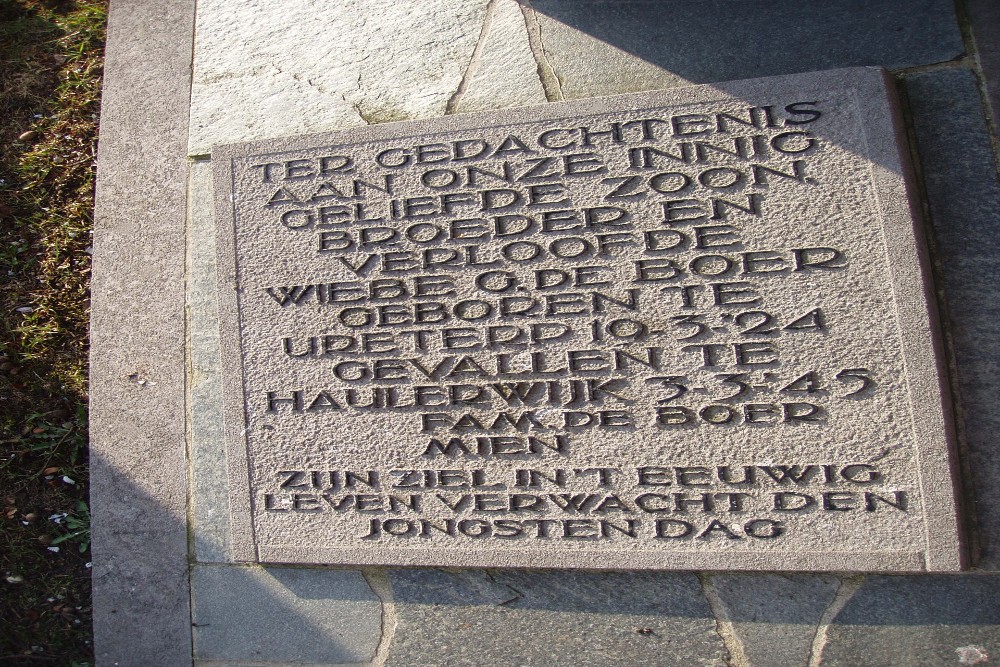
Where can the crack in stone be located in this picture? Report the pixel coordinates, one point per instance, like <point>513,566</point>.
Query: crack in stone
<point>848,587</point>
<point>546,72</point>
<point>378,581</point>
<point>357,109</point>
<point>724,624</point>
<point>518,595</point>
<point>357,105</point>
<point>477,56</point>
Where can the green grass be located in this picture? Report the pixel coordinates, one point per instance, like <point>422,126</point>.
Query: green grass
<point>50,75</point>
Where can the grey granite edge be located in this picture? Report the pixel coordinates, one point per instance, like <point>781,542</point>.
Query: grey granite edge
<point>921,331</point>
<point>138,463</point>
<point>965,493</point>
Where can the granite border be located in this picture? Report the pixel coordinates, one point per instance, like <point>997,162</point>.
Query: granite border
<point>137,362</point>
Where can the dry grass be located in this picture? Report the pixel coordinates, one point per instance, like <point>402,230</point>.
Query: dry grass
<point>50,74</point>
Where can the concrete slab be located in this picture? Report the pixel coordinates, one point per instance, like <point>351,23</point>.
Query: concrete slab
<point>984,23</point>
<point>503,72</point>
<point>774,617</point>
<point>597,47</point>
<point>286,615</point>
<point>206,439</point>
<point>753,278</point>
<point>923,622</point>
<point>557,619</point>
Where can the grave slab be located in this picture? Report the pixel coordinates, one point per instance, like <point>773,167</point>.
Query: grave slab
<point>579,50</point>
<point>686,329</point>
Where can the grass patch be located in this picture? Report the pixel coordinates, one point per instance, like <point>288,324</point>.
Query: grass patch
<point>51,55</point>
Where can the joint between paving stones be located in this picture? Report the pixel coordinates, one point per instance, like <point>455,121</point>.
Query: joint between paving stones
<point>380,584</point>
<point>990,114</point>
<point>847,589</point>
<point>477,56</point>
<point>723,623</point>
<point>961,62</point>
<point>188,426</point>
<point>547,75</point>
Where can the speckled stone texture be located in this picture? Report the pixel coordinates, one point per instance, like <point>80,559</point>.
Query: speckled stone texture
<point>790,274</point>
<point>773,616</point>
<point>602,47</point>
<point>964,200</point>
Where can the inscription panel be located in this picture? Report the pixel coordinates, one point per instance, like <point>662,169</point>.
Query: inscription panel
<point>680,329</point>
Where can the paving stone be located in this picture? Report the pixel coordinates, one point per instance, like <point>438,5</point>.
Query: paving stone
<point>775,616</point>
<point>270,69</point>
<point>507,75</point>
<point>288,615</point>
<point>964,199</point>
<point>928,621</point>
<point>984,17</point>
<point>209,481</point>
<point>599,48</point>
<point>523,618</point>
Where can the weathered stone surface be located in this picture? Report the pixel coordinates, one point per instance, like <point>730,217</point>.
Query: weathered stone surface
<point>775,616</point>
<point>505,73</point>
<point>138,471</point>
<point>209,481</point>
<point>964,199</point>
<point>602,48</point>
<point>512,618</point>
<point>285,615</point>
<point>919,622</point>
<point>801,345</point>
<point>271,69</point>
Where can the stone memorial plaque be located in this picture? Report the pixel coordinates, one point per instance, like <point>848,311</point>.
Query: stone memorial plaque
<point>682,329</point>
